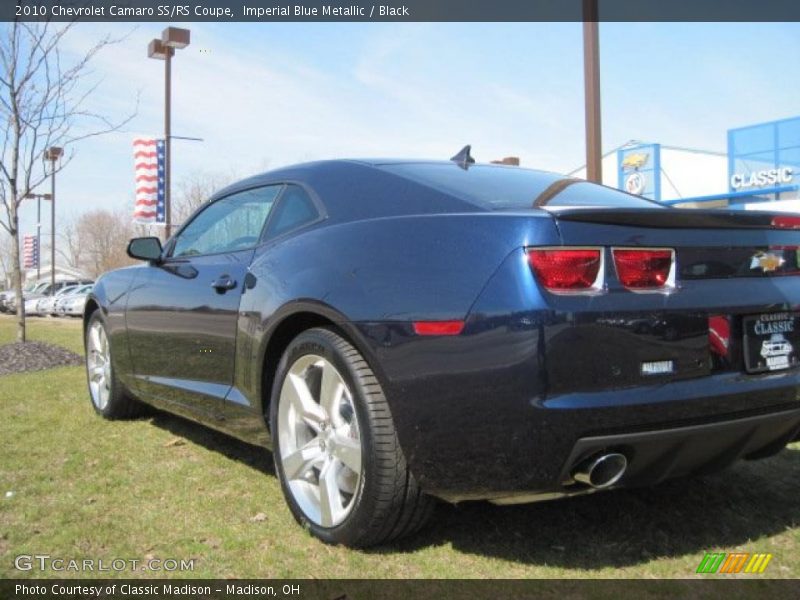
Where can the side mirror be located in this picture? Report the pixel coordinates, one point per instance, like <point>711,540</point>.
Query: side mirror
<point>145,248</point>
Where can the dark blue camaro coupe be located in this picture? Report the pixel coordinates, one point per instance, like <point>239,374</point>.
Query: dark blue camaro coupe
<point>400,331</point>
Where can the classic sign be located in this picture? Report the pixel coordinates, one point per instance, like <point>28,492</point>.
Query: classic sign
<point>771,341</point>
<point>762,178</point>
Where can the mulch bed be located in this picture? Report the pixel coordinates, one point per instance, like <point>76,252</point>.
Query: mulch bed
<point>22,357</point>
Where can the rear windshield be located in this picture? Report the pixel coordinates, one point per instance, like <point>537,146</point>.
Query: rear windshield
<point>499,188</point>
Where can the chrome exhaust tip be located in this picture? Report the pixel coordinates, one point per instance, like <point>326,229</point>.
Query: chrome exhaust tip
<point>601,471</point>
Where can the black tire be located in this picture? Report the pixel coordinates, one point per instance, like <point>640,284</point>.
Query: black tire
<point>120,404</point>
<point>388,503</point>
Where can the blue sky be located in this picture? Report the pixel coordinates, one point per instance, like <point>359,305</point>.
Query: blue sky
<point>268,94</point>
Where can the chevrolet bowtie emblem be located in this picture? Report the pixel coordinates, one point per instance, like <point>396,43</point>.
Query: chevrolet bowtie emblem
<point>767,262</point>
<point>635,161</point>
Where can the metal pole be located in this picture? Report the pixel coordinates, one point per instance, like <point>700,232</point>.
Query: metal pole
<point>53,227</point>
<point>167,142</point>
<point>38,238</point>
<point>591,77</point>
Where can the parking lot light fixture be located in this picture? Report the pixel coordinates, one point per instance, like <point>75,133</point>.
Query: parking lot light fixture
<point>172,38</point>
<point>157,50</point>
<point>53,155</point>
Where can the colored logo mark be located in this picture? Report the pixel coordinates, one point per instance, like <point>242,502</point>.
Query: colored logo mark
<point>734,562</point>
<point>635,161</point>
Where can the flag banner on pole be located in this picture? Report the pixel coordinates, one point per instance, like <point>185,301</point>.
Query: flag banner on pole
<point>148,160</point>
<point>30,252</point>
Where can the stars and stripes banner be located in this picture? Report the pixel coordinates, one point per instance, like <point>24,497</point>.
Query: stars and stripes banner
<point>30,252</point>
<point>148,159</point>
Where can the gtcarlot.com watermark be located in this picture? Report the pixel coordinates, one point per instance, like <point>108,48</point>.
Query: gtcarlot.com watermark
<point>45,562</point>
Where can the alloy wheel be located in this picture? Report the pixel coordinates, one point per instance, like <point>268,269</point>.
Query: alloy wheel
<point>319,440</point>
<point>98,363</point>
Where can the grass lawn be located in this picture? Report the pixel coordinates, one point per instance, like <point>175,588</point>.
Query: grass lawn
<point>75,486</point>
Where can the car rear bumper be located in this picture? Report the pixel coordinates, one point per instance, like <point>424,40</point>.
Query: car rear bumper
<point>476,420</point>
<point>656,455</point>
<point>679,429</point>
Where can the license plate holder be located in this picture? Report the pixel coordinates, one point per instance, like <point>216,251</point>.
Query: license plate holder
<point>771,342</point>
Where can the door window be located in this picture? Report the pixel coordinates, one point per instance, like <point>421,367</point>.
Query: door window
<point>231,223</point>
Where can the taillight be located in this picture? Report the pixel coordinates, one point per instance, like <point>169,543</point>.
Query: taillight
<point>786,222</point>
<point>568,269</point>
<point>644,269</point>
<point>719,334</point>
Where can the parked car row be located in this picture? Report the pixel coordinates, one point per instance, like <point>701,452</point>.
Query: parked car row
<point>65,298</point>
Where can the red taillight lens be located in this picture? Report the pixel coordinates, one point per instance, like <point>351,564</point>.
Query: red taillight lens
<point>568,269</point>
<point>639,269</point>
<point>719,334</point>
<point>786,222</point>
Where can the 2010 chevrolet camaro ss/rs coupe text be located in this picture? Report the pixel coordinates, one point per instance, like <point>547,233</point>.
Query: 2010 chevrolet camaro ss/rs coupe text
<point>400,331</point>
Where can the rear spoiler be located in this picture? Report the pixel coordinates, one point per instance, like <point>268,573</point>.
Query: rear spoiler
<point>680,218</point>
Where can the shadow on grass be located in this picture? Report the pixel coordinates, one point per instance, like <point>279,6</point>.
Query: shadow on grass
<point>253,456</point>
<point>683,517</point>
<point>690,516</point>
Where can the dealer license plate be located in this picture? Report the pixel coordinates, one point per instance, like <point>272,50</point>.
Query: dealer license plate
<point>771,342</point>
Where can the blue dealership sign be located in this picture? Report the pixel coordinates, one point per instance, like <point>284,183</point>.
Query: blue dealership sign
<point>764,158</point>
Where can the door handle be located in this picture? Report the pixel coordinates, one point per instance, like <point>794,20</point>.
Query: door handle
<point>224,283</point>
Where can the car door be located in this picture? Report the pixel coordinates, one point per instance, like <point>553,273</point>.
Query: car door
<point>182,313</point>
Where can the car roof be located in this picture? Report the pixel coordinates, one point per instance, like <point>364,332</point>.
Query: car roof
<point>375,163</point>
<point>363,188</point>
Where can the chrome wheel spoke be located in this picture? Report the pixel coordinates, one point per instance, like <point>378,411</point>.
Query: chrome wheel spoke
<point>302,400</point>
<point>348,451</point>
<point>330,496</point>
<point>95,338</point>
<point>298,463</point>
<point>330,390</point>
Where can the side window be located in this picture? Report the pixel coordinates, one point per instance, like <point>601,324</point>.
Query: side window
<point>294,208</point>
<point>229,224</point>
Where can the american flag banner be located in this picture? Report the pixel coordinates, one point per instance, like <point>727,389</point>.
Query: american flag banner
<point>148,159</point>
<point>30,252</point>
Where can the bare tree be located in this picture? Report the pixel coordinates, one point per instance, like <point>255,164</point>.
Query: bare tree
<point>5,256</point>
<point>104,236</point>
<point>70,249</point>
<point>195,189</point>
<point>43,103</point>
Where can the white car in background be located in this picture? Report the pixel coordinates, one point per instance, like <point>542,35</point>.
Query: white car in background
<point>36,291</point>
<point>47,304</point>
<point>36,300</point>
<point>72,304</point>
<point>32,306</point>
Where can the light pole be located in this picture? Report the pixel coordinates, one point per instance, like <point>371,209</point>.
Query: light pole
<point>591,79</point>
<point>53,154</point>
<point>39,198</point>
<point>172,38</point>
